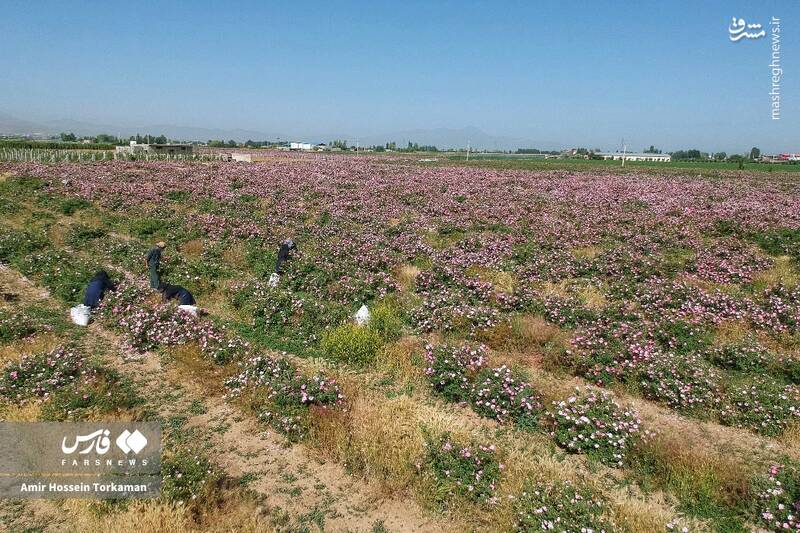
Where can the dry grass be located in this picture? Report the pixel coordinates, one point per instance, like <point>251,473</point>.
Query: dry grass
<point>154,516</point>
<point>398,360</point>
<point>586,252</point>
<point>549,288</point>
<point>193,365</point>
<point>193,248</point>
<point>27,412</point>
<point>381,437</point>
<point>31,345</point>
<point>406,276</point>
<point>731,331</point>
<point>533,463</point>
<point>783,272</point>
<point>235,254</point>
<point>386,438</point>
<point>697,473</point>
<point>57,234</point>
<point>535,330</point>
<point>791,439</point>
<point>593,297</point>
<point>635,515</point>
<point>217,304</point>
<point>501,281</point>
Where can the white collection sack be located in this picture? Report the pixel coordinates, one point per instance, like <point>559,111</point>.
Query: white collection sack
<point>274,279</point>
<point>80,314</point>
<point>362,316</point>
<point>191,309</point>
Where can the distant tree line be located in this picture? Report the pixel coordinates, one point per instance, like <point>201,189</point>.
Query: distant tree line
<point>697,155</point>
<point>53,145</point>
<point>536,151</point>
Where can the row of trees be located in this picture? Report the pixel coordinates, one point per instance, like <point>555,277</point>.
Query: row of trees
<point>105,138</point>
<point>697,155</point>
<point>534,151</point>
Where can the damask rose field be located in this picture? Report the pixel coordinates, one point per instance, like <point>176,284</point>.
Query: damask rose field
<point>570,349</point>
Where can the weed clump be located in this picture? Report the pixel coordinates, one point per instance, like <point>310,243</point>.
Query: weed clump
<point>353,344</point>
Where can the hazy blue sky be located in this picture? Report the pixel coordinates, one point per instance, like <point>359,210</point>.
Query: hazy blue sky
<point>567,73</point>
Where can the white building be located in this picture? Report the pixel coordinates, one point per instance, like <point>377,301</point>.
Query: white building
<point>300,146</point>
<point>634,156</point>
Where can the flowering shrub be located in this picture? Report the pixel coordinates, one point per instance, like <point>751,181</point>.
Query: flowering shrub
<point>559,506</point>
<point>283,394</point>
<point>679,336</point>
<point>779,499</point>
<point>728,262</point>
<point>186,475</point>
<point>745,357</point>
<point>568,312</point>
<point>99,391</point>
<point>16,245</point>
<point>39,375</point>
<point>147,328</point>
<point>471,471</point>
<point>498,394</point>
<point>779,310</point>
<point>594,424</point>
<point>285,318</point>
<point>64,275</point>
<point>20,323</point>
<point>762,404</point>
<point>686,383</point>
<point>287,386</point>
<point>450,369</point>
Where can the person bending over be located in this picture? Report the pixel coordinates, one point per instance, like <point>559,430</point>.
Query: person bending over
<point>176,292</point>
<point>97,288</point>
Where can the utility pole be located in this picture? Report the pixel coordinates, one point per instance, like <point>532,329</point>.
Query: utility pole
<point>467,150</point>
<point>623,151</point>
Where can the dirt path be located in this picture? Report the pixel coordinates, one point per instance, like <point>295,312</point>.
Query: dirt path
<point>297,490</point>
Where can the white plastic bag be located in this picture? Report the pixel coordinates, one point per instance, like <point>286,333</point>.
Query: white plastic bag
<point>191,309</point>
<point>274,279</point>
<point>362,316</point>
<point>80,314</point>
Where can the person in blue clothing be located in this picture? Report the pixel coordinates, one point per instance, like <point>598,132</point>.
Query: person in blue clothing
<point>152,261</point>
<point>283,254</point>
<point>172,292</point>
<point>97,288</point>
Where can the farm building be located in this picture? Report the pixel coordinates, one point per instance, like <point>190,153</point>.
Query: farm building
<point>634,156</point>
<point>171,149</point>
<point>300,146</point>
<point>249,157</point>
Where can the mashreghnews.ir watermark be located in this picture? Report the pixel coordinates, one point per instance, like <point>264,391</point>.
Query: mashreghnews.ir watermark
<point>739,30</point>
<point>776,71</point>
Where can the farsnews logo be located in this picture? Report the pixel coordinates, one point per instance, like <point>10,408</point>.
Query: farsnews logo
<point>100,443</point>
<point>128,441</point>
